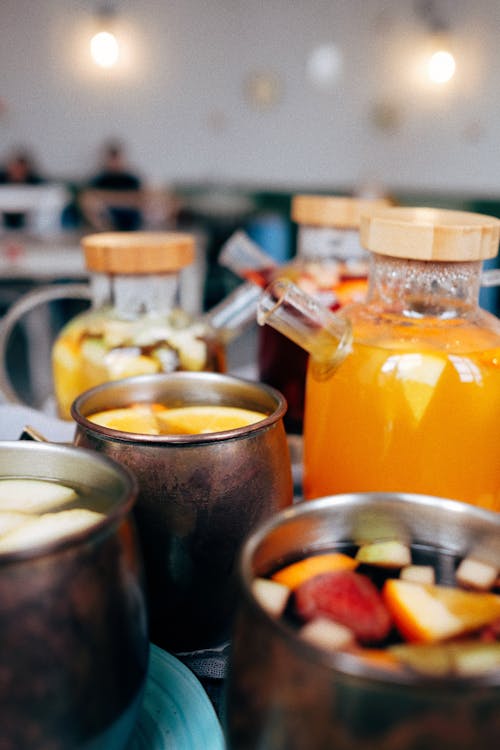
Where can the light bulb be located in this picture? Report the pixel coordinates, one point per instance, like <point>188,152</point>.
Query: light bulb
<point>325,65</point>
<point>441,67</point>
<point>104,49</point>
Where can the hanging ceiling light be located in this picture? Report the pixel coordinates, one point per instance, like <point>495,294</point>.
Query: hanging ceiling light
<point>441,64</point>
<point>104,46</point>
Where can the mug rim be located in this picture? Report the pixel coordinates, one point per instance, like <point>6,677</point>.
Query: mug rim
<point>120,509</point>
<point>345,663</point>
<point>175,439</point>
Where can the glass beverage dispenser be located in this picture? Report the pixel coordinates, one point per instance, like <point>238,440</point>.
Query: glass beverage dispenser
<point>403,390</point>
<point>135,325</point>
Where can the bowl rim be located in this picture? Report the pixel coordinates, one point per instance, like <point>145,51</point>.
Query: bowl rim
<point>166,439</point>
<point>345,663</point>
<point>120,509</point>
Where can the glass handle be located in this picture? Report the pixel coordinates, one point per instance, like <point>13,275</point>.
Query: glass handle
<point>242,256</point>
<point>235,312</point>
<point>298,316</point>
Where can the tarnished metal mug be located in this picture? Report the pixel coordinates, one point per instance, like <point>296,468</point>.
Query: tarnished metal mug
<point>199,495</point>
<point>73,629</point>
<point>285,694</point>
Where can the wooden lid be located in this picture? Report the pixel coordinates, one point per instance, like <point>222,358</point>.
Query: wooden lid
<point>138,252</point>
<point>430,234</point>
<point>332,211</point>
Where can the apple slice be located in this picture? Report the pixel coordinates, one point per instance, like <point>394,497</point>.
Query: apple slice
<point>475,574</point>
<point>425,614</point>
<point>33,495</point>
<point>467,658</point>
<point>297,573</point>
<point>271,595</point>
<point>418,574</point>
<point>328,635</point>
<point>38,530</point>
<point>386,554</point>
<point>10,520</point>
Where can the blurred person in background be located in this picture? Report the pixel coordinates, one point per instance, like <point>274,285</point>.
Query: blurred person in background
<point>112,198</point>
<point>19,169</point>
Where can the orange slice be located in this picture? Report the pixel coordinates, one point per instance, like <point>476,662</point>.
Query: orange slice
<point>139,418</point>
<point>426,614</point>
<point>296,573</point>
<point>196,420</point>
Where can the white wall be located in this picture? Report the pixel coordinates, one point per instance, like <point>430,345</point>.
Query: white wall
<point>178,96</point>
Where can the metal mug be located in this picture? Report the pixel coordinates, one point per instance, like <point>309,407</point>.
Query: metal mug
<point>199,495</point>
<point>285,694</point>
<point>73,629</point>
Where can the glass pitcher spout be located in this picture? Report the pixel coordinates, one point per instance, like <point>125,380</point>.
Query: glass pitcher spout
<point>235,312</point>
<point>294,313</point>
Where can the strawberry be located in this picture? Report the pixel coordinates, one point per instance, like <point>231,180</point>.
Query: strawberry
<point>348,598</point>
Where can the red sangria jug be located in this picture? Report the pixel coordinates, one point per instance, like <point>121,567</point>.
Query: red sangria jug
<point>330,264</point>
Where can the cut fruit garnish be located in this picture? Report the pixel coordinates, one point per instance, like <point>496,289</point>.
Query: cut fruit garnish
<point>48,528</point>
<point>297,573</point>
<point>425,614</point>
<point>122,364</point>
<point>10,520</point>
<point>33,495</point>
<point>386,554</point>
<point>424,574</point>
<point>475,574</point>
<point>466,658</point>
<point>327,634</point>
<point>197,420</point>
<point>272,596</point>
<point>138,418</point>
<point>348,598</point>
<point>419,375</point>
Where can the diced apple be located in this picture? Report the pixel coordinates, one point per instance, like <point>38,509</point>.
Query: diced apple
<point>476,658</point>
<point>326,634</point>
<point>434,660</point>
<point>465,658</point>
<point>386,554</point>
<point>48,528</point>
<point>33,495</point>
<point>432,613</point>
<point>297,573</point>
<point>272,596</point>
<point>475,574</point>
<point>418,574</point>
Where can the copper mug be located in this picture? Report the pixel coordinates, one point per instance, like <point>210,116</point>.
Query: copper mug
<point>199,495</point>
<point>73,629</point>
<point>285,694</point>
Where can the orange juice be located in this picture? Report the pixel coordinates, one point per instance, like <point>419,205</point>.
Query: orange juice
<point>416,409</point>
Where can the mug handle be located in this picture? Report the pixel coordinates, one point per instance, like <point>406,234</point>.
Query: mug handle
<point>18,310</point>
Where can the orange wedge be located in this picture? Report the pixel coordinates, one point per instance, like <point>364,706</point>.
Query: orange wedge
<point>379,657</point>
<point>139,418</point>
<point>196,420</point>
<point>426,613</point>
<point>297,573</point>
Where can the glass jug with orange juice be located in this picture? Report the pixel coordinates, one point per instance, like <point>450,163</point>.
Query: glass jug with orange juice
<point>403,391</point>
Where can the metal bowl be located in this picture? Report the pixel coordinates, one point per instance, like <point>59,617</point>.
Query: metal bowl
<point>74,644</point>
<point>286,694</point>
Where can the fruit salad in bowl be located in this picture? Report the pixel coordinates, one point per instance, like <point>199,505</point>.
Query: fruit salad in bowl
<point>369,621</point>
